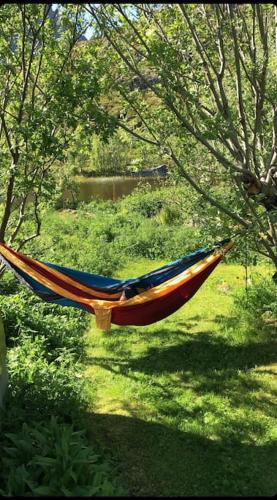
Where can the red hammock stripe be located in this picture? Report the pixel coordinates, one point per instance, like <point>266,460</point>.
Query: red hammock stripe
<point>161,307</point>
<point>52,276</point>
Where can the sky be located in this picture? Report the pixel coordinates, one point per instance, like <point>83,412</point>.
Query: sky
<point>89,31</point>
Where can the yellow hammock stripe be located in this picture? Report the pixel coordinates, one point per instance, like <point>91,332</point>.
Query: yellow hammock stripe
<point>83,288</point>
<point>148,295</point>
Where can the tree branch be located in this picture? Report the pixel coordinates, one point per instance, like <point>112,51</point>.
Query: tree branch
<point>20,220</point>
<point>239,87</point>
<point>205,195</point>
<point>38,226</point>
<point>138,136</point>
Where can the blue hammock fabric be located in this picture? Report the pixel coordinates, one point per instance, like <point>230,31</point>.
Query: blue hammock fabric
<point>111,286</point>
<point>133,286</point>
<point>136,301</point>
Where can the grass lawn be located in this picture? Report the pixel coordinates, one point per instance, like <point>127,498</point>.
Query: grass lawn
<point>186,405</point>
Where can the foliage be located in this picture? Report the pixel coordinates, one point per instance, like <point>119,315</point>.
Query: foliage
<point>44,355</point>
<point>98,237</point>
<point>144,202</point>
<point>53,459</point>
<point>256,307</point>
<point>45,454</point>
<point>26,315</point>
<point>46,350</point>
<point>83,240</point>
<point>42,78</point>
<point>166,222</point>
<point>120,154</point>
<point>111,157</point>
<point>212,112</point>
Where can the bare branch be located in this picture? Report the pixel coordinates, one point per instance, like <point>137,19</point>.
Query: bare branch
<point>11,147</point>
<point>273,154</point>
<point>20,220</point>
<point>260,90</point>
<point>205,195</point>
<point>166,99</point>
<point>239,87</point>
<point>268,236</point>
<point>23,20</point>
<point>123,37</point>
<point>35,81</point>
<point>200,137</point>
<point>275,12</point>
<point>202,52</point>
<point>120,9</point>
<point>222,105</point>
<point>150,129</point>
<point>38,225</point>
<point>238,148</point>
<point>138,136</point>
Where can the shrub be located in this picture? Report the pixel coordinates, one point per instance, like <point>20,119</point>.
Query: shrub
<point>168,215</point>
<point>257,307</point>
<point>44,388</point>
<point>25,315</point>
<point>43,355</point>
<point>146,204</point>
<point>46,379</point>
<point>82,241</point>
<point>53,459</point>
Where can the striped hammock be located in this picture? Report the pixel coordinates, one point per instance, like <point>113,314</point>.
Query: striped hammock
<point>136,301</point>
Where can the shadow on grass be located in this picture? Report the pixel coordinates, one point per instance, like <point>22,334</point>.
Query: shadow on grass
<point>192,321</point>
<point>208,366</point>
<point>158,460</point>
<point>198,354</point>
<point>203,354</point>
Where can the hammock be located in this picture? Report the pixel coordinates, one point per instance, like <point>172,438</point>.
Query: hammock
<point>136,301</point>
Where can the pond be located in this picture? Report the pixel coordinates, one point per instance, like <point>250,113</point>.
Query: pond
<point>109,188</point>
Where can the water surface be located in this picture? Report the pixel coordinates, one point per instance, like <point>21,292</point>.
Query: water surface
<point>109,188</point>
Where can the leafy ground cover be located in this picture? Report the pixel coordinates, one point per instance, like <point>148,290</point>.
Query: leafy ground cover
<point>43,442</point>
<point>187,404</point>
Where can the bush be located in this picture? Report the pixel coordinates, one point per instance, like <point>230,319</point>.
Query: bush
<point>26,316</point>
<point>46,379</point>
<point>81,240</point>
<point>44,387</point>
<point>44,350</point>
<point>101,236</point>
<point>257,307</point>
<point>53,459</point>
<point>146,204</point>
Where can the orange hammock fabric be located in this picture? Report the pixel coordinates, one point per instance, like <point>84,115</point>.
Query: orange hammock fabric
<point>145,308</point>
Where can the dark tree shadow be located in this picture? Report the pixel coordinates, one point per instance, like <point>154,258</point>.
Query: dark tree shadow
<point>157,460</point>
<point>200,354</point>
<point>208,364</point>
<point>204,353</point>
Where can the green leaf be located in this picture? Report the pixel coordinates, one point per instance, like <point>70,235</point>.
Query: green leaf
<point>43,491</point>
<point>47,461</point>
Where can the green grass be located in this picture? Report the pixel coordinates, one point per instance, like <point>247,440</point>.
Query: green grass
<point>186,405</point>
